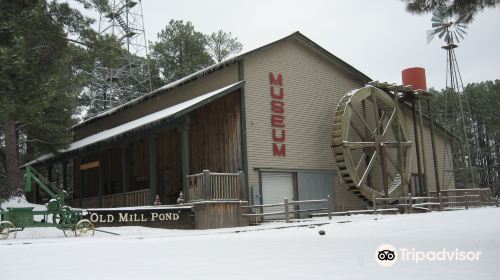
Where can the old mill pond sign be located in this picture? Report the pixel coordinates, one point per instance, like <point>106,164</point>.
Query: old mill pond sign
<point>149,216</point>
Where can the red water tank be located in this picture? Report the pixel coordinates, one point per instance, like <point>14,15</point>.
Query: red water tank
<point>414,77</point>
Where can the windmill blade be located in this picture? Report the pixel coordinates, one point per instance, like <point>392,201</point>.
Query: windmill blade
<point>462,31</point>
<point>430,33</point>
<point>442,34</point>
<point>435,30</point>
<point>437,16</point>
<point>436,19</point>
<point>436,24</point>
<point>460,34</point>
<point>454,34</point>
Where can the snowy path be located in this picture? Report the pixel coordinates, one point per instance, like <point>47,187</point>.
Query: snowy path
<point>345,252</point>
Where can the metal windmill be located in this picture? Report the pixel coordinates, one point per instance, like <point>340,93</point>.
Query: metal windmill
<point>121,73</point>
<point>456,115</point>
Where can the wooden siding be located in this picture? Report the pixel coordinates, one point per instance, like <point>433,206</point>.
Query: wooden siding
<point>188,91</point>
<point>138,165</point>
<point>313,86</point>
<point>214,136</point>
<point>214,143</point>
<point>444,154</point>
<point>90,177</point>
<point>220,214</point>
<point>169,166</point>
<point>112,166</point>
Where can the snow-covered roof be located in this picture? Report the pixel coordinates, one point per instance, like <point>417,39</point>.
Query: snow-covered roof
<point>170,112</point>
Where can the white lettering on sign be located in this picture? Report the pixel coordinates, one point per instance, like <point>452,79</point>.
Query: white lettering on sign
<point>123,217</point>
<point>135,217</point>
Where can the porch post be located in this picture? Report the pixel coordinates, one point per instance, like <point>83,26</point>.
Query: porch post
<point>49,172</point>
<point>153,167</point>
<point>101,181</point>
<point>80,189</point>
<point>185,155</point>
<point>65,174</point>
<point>124,169</point>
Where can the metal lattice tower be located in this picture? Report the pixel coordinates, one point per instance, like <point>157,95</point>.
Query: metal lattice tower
<point>456,115</point>
<point>116,81</point>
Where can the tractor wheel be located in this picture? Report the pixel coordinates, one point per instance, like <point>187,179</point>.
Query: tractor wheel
<point>6,228</point>
<point>84,228</point>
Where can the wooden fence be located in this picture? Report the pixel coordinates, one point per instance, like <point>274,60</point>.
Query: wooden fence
<point>448,199</point>
<point>286,208</point>
<point>216,186</point>
<point>135,198</point>
<point>458,197</point>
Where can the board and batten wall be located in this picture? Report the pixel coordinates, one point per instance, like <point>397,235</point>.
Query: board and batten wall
<point>313,85</point>
<point>205,84</point>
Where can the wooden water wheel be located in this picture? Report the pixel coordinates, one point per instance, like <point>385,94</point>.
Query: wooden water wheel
<point>371,143</point>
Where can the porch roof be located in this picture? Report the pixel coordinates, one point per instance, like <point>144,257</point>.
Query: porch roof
<point>148,120</point>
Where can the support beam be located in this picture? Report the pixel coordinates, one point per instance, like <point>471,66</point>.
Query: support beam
<point>125,168</point>
<point>424,181</point>
<point>433,142</point>
<point>243,124</point>
<point>65,174</point>
<point>101,180</point>
<point>415,131</point>
<point>80,189</point>
<point>153,167</point>
<point>185,155</point>
<point>49,173</point>
<point>400,148</point>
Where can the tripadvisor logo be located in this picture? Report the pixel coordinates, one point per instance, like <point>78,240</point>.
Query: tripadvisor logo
<point>386,255</point>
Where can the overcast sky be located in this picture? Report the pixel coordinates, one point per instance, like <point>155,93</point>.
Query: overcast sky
<point>379,38</point>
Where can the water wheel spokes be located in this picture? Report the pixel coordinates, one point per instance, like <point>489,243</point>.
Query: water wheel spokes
<point>371,142</point>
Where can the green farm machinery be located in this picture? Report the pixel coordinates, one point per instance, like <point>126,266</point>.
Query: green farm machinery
<point>57,215</point>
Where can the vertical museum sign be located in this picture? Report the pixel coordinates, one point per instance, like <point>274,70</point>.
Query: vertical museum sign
<point>277,114</point>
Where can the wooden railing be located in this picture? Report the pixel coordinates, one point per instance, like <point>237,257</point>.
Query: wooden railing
<point>135,198</point>
<point>88,202</point>
<point>216,186</point>
<point>447,199</point>
<point>282,210</point>
<point>457,197</point>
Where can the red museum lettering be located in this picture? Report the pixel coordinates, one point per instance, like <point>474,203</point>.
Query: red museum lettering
<point>277,114</point>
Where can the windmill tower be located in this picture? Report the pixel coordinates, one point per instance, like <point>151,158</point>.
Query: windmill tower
<point>456,115</point>
<point>121,72</point>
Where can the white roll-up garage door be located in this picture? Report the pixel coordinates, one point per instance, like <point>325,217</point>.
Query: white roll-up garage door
<point>275,187</point>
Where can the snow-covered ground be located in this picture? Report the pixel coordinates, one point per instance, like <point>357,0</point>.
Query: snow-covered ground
<point>270,251</point>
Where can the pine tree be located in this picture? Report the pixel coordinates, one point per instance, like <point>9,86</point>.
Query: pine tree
<point>221,45</point>
<point>39,77</point>
<point>180,51</point>
<point>464,10</point>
